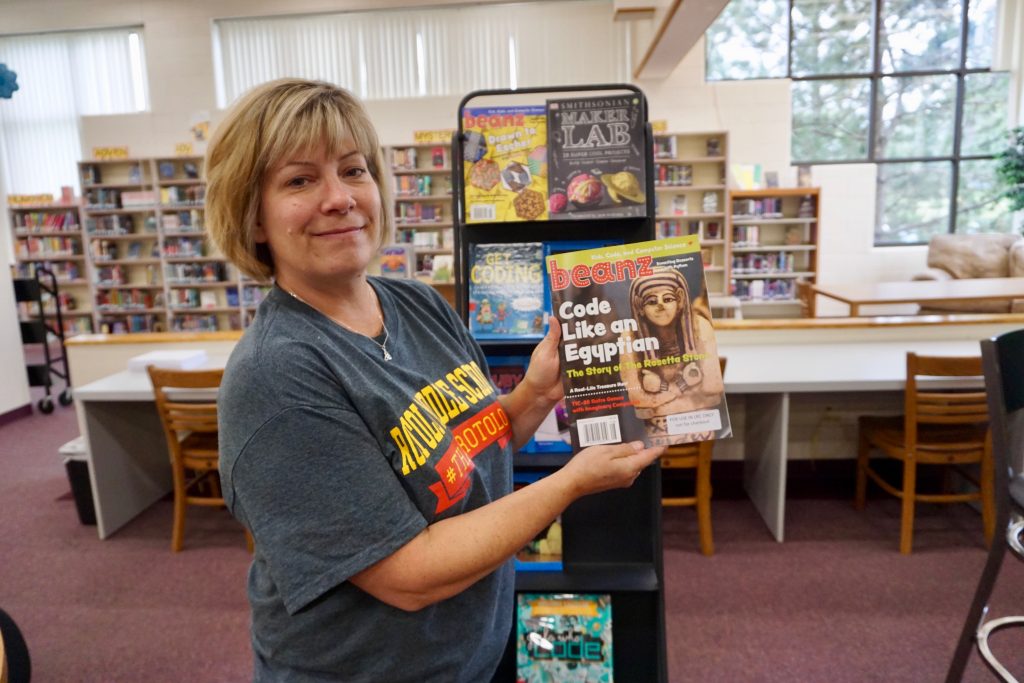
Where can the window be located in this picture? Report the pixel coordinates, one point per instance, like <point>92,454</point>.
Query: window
<point>63,76</point>
<point>389,54</point>
<point>906,84</point>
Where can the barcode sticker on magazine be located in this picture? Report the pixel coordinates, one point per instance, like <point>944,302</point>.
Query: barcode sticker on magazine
<point>482,212</point>
<point>598,430</point>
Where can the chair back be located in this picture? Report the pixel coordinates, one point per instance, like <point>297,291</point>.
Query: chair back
<point>942,406</point>
<point>185,415</point>
<point>1003,360</point>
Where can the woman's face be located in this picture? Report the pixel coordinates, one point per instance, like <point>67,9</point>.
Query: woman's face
<point>661,305</point>
<point>319,215</point>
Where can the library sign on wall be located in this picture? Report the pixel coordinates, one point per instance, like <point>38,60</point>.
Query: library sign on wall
<point>109,153</point>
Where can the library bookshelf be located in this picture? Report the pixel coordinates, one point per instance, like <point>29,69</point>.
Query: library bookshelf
<point>421,174</point>
<point>690,190</point>
<point>51,236</point>
<point>773,243</point>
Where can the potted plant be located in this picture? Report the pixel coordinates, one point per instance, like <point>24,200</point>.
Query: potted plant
<point>1011,169</point>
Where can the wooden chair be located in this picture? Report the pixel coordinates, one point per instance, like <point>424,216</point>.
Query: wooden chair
<point>1003,360</point>
<point>191,430</point>
<point>806,296</point>
<point>938,427</point>
<point>695,456</point>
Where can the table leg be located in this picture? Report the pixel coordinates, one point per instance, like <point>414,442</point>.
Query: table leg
<point>129,466</point>
<point>854,310</point>
<point>764,467</point>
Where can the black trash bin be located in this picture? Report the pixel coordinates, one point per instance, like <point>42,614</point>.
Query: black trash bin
<point>77,467</point>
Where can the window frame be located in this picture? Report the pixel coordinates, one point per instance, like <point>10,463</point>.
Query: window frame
<point>961,71</point>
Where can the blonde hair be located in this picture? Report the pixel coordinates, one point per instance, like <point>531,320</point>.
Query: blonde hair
<point>267,124</point>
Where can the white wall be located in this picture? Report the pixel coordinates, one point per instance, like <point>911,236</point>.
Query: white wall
<point>755,113</point>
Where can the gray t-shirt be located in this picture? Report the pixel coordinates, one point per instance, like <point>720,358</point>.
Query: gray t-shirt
<point>335,458</point>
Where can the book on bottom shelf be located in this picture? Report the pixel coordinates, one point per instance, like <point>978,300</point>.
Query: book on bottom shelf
<point>505,164</point>
<point>596,157</point>
<point>544,552</point>
<point>564,637</point>
<point>638,351</point>
<point>506,291</point>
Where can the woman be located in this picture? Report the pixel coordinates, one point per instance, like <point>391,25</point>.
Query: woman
<point>662,307</point>
<point>362,442</point>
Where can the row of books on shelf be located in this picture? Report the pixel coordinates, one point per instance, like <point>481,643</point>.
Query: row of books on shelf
<point>27,309</point>
<point>680,204</point>
<point>109,250</point>
<point>135,322</point>
<point>709,230</point>
<point>117,274</point>
<point>92,174</point>
<point>421,186</point>
<point>768,289</point>
<point>674,175</point>
<point>776,262</point>
<point>191,195</point>
<point>408,158</point>
<point>38,221</point>
<point>203,323</point>
<point>117,224</point>
<point>55,247</point>
<point>406,212</point>
<point>182,221</point>
<point>182,247</point>
<point>62,270</point>
<point>426,239</point>
<point>121,299</point>
<point>770,207</point>
<point>186,273</point>
<point>665,147</point>
<point>749,236</point>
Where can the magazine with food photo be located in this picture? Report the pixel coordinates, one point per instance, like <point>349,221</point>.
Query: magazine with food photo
<point>638,351</point>
<point>505,164</point>
<point>596,156</point>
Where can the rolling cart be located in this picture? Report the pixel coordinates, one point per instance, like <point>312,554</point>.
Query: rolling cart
<point>38,331</point>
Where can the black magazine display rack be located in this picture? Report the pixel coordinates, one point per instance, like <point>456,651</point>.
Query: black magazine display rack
<point>40,290</point>
<point>611,540</point>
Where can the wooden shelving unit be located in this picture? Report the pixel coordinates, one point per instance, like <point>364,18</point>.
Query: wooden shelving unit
<point>421,176</point>
<point>690,186</point>
<point>152,266</point>
<point>51,235</point>
<point>772,244</point>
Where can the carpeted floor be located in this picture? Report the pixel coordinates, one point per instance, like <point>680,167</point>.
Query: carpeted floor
<point>836,602</point>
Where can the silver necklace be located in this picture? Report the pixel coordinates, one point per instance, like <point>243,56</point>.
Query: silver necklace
<point>382,345</point>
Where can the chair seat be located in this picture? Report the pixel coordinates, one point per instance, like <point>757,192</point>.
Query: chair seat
<point>932,439</point>
<point>200,447</point>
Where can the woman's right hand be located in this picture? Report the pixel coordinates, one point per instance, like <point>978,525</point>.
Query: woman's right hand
<point>609,466</point>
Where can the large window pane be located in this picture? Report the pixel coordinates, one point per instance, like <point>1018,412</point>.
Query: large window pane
<point>913,201</point>
<point>917,115</point>
<point>986,96</point>
<point>831,37</point>
<point>749,39</point>
<point>919,35</point>
<point>980,205</point>
<point>830,119</point>
<point>981,33</point>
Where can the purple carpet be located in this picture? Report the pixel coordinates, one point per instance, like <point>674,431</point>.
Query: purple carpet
<point>836,602</point>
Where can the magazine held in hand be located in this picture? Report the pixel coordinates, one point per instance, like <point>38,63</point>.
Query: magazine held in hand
<point>638,352</point>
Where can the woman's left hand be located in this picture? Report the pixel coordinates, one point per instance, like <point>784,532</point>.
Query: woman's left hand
<point>543,376</point>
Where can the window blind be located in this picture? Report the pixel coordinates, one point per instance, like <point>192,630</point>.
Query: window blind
<point>392,54</point>
<point>62,76</point>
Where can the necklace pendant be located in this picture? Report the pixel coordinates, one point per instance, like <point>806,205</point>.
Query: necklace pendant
<point>387,356</point>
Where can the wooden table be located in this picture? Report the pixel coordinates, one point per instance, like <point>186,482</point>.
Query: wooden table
<point>923,291</point>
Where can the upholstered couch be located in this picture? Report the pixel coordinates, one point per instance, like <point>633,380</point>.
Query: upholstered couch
<point>969,256</point>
